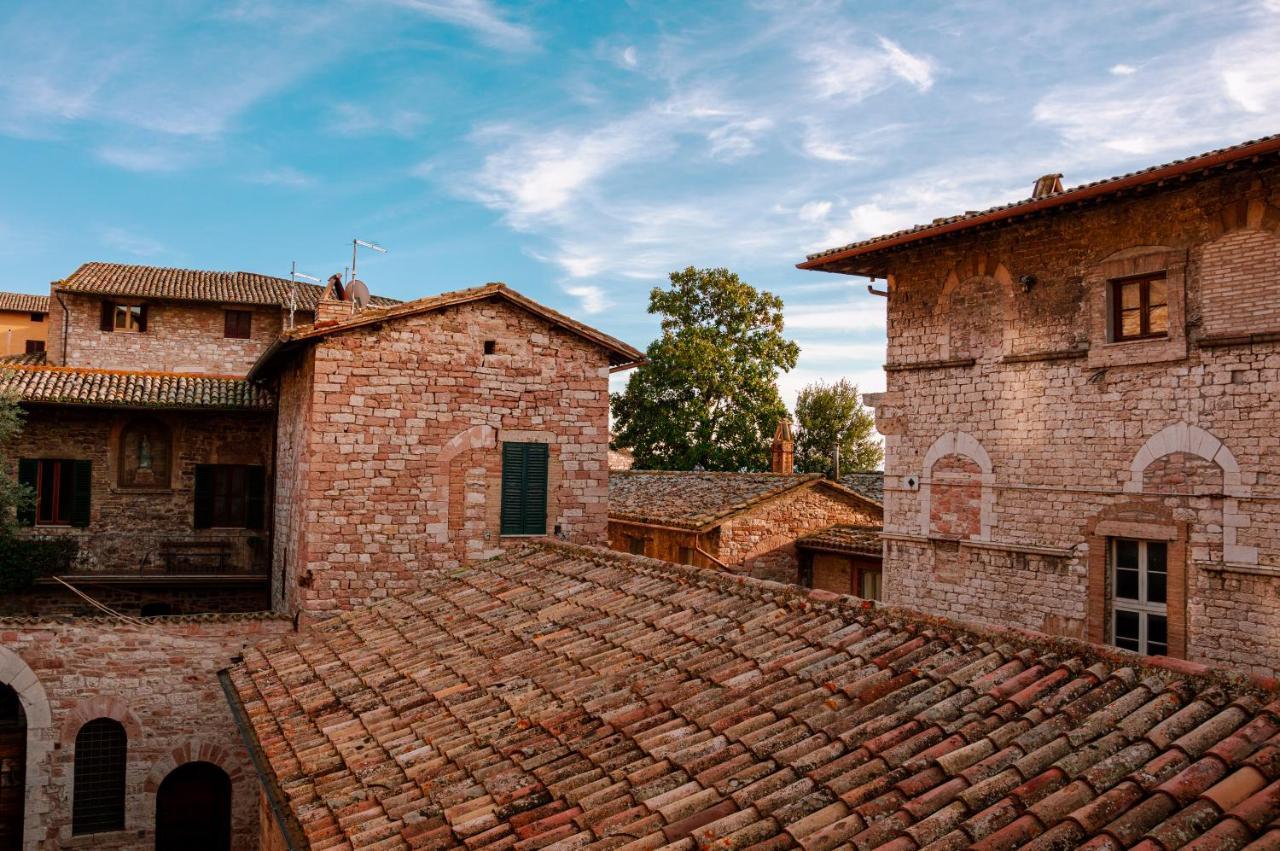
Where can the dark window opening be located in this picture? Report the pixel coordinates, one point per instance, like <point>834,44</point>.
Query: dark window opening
<point>237,324</point>
<point>230,496</point>
<point>490,346</point>
<point>13,768</point>
<point>193,809</point>
<point>1139,308</point>
<point>35,346</point>
<point>635,545</point>
<point>524,489</point>
<point>37,317</point>
<point>686,555</point>
<point>61,491</point>
<point>97,798</point>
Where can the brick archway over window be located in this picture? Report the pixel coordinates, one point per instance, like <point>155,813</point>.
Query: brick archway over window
<point>965,445</point>
<point>966,275</point>
<point>1141,518</point>
<point>16,674</point>
<point>476,437</point>
<point>1193,440</point>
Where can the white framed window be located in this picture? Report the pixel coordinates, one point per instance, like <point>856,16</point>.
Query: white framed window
<point>1139,593</point>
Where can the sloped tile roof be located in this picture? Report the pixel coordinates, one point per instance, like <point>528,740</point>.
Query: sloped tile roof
<point>1086,191</point>
<point>26,358</point>
<point>578,698</point>
<point>868,483</point>
<point>864,540</point>
<point>193,285</point>
<point>119,389</point>
<point>693,500</point>
<point>24,302</point>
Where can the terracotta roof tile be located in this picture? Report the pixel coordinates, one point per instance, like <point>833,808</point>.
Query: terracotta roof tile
<point>845,538</point>
<point>24,302</point>
<point>570,697</point>
<point>194,285</point>
<point>118,389</point>
<point>697,500</point>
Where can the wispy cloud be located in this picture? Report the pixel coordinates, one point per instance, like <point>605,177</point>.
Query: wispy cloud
<point>848,70</point>
<point>129,242</point>
<point>358,119</point>
<point>479,16</point>
<point>591,299</point>
<point>156,158</point>
<point>285,176</point>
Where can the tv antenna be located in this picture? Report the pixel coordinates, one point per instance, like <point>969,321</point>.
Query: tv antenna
<point>294,275</point>
<point>356,245</point>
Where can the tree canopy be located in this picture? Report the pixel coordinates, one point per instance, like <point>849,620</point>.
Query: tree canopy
<point>831,414</point>
<point>708,396</point>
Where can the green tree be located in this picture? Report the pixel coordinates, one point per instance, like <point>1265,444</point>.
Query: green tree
<point>13,496</point>
<point>708,396</point>
<point>22,559</point>
<point>829,415</point>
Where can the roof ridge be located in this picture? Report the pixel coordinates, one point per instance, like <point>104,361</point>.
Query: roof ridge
<point>92,370</point>
<point>112,264</point>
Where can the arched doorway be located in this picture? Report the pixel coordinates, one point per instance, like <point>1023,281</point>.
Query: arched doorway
<point>193,809</point>
<point>13,768</point>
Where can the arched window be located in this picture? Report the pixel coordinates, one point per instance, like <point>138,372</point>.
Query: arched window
<point>193,809</point>
<point>97,798</point>
<point>144,455</point>
<point>13,765</point>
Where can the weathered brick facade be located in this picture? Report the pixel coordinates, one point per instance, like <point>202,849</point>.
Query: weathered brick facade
<point>157,679</point>
<point>390,443</point>
<point>1020,438</point>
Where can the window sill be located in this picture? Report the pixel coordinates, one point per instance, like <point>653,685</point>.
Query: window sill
<point>1229,567</point>
<point>142,491</point>
<point>526,535</point>
<point>93,840</point>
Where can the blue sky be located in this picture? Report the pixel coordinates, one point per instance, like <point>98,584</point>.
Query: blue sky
<point>579,151</point>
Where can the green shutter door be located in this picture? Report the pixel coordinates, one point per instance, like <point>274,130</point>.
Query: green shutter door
<point>81,492</point>
<point>255,485</point>
<point>203,496</point>
<point>524,489</point>
<point>28,471</point>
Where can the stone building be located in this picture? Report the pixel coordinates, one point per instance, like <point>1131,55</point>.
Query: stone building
<point>1081,407</point>
<point>231,455</point>
<point>23,324</point>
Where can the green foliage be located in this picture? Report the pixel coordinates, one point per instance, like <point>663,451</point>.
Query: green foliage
<point>829,415</point>
<point>708,396</point>
<point>13,495</point>
<point>23,560</point>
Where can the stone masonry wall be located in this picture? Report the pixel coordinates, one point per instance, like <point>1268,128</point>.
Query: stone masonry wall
<point>180,337</point>
<point>127,526</point>
<point>407,419</point>
<point>159,680</point>
<point>761,542</point>
<point>1063,426</point>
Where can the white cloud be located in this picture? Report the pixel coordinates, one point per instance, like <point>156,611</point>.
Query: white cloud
<point>155,159</point>
<point>286,176</point>
<point>916,70</point>
<point>815,211</point>
<point>843,69</point>
<point>129,242</point>
<point>358,119</point>
<point>629,57</point>
<point>737,138</point>
<point>1123,70</point>
<point>591,299</point>
<point>857,314</point>
<point>479,16</point>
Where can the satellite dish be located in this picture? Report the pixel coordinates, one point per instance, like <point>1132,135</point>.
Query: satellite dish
<point>358,293</point>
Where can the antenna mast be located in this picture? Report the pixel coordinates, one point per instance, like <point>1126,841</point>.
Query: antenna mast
<point>294,275</point>
<point>356,245</point>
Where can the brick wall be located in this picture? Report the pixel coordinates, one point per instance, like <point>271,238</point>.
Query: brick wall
<point>1069,434</point>
<point>180,337</point>
<point>665,544</point>
<point>128,526</point>
<point>400,438</point>
<point>158,679</point>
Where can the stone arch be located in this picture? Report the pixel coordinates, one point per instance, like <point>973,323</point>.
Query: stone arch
<point>192,750</point>
<point>960,275</point>
<point>101,706</point>
<point>964,445</point>
<point>476,437</point>
<point>1193,440</point>
<point>16,674</point>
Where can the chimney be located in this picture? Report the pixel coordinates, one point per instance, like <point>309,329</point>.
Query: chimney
<point>1050,184</point>
<point>332,306</point>
<point>784,447</point>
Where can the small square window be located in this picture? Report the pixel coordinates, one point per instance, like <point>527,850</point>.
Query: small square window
<point>490,346</point>
<point>127,318</point>
<point>238,324</point>
<point>35,346</point>
<point>1139,308</point>
<point>37,317</point>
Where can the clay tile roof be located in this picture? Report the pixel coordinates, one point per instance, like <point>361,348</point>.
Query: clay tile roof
<point>24,302</point>
<point>868,483</point>
<point>118,389</point>
<point>580,698</point>
<point>838,259</point>
<point>844,538</point>
<point>694,500</point>
<point>193,285</point>
<point>26,358</point>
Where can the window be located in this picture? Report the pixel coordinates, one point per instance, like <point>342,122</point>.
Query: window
<point>1139,308</point>
<point>524,489</point>
<point>62,489</point>
<point>230,496</point>
<point>237,324</point>
<point>144,455</point>
<point>868,583</point>
<point>97,798</point>
<point>490,346</point>
<point>124,318</point>
<point>37,317</point>
<point>1139,580</point>
<point>686,555</point>
<point>635,545</point>
<point>34,346</point>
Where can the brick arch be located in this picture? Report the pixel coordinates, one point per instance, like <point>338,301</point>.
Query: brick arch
<point>101,706</point>
<point>17,675</point>
<point>964,271</point>
<point>1193,440</point>
<point>476,437</point>
<point>192,750</point>
<point>965,445</point>
<point>1248,213</point>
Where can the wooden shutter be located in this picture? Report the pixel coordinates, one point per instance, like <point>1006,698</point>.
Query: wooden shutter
<point>142,318</point>
<point>108,315</point>
<point>28,473</point>
<point>524,489</point>
<point>203,496</point>
<point>255,496</point>
<point>81,492</point>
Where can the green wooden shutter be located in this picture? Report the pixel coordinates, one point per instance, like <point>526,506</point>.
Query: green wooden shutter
<point>255,497</point>
<point>81,492</point>
<point>108,316</point>
<point>142,319</point>
<point>203,496</point>
<point>28,472</point>
<point>524,489</point>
